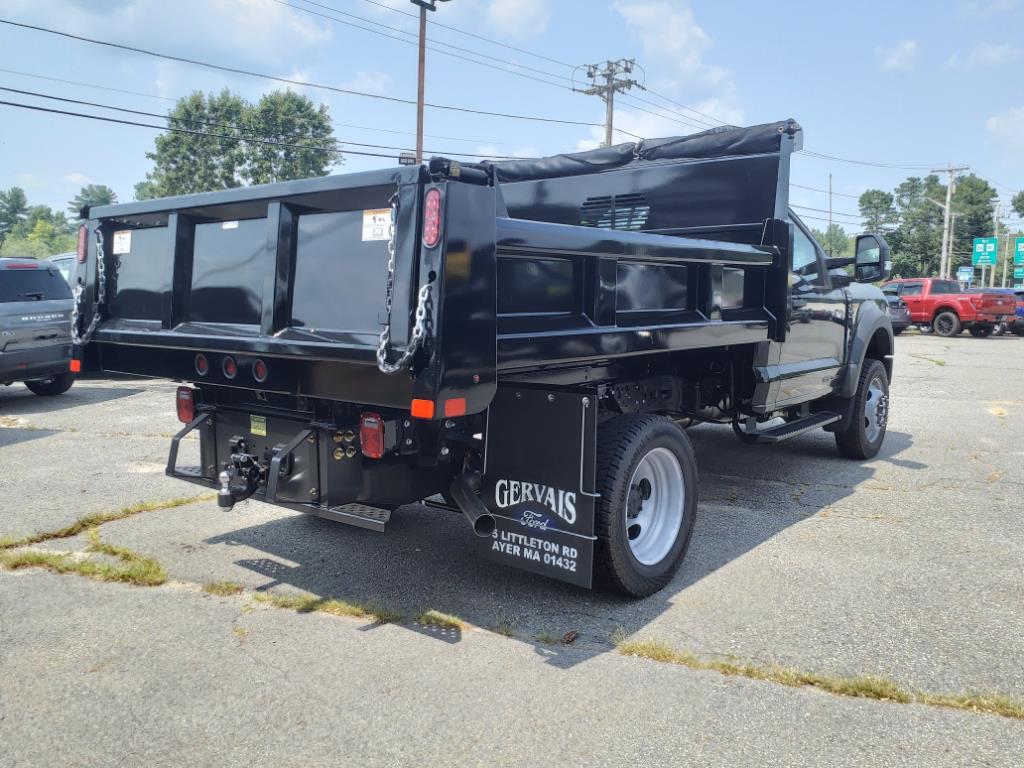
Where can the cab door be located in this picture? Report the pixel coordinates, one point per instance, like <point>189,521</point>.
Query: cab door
<point>811,359</point>
<point>912,294</point>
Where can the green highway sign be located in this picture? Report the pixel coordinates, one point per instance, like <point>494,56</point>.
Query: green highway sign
<point>985,251</point>
<point>1018,273</point>
<point>1018,252</point>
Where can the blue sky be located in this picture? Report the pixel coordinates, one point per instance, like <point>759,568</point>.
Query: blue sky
<point>909,83</point>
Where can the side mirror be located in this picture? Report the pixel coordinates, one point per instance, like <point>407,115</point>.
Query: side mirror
<point>873,262</point>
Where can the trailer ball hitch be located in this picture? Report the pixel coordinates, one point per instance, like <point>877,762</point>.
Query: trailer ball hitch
<point>240,477</point>
<point>464,491</point>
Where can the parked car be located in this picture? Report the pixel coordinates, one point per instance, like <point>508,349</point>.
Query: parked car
<point>35,326</point>
<point>944,307</point>
<point>1010,323</point>
<point>899,312</point>
<point>1018,326</point>
<point>67,263</point>
<point>519,338</point>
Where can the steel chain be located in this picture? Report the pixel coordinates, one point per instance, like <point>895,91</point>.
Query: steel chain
<point>101,296</point>
<point>424,316</point>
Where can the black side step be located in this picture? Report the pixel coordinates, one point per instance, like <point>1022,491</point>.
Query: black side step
<point>359,515</point>
<point>796,427</point>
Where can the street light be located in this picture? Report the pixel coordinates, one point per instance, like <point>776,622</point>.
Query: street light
<point>425,5</point>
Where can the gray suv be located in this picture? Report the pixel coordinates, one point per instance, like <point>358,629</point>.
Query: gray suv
<point>35,326</point>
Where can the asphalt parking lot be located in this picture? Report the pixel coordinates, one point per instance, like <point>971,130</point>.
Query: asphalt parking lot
<point>908,568</point>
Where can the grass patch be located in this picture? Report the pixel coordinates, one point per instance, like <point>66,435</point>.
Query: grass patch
<point>547,638</point>
<point>332,606</point>
<point>223,588</point>
<point>129,568</point>
<point>863,687</point>
<point>97,519</point>
<point>438,619</point>
<point>504,629</point>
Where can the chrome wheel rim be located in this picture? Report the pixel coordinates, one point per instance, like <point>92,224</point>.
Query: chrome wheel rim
<point>876,410</point>
<point>654,506</point>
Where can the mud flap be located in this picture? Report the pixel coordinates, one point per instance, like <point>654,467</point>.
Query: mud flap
<point>539,481</point>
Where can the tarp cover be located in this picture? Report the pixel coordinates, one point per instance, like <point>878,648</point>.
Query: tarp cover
<point>716,142</point>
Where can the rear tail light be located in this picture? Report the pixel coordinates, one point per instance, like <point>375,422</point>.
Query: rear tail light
<point>229,367</point>
<point>83,243</point>
<point>432,218</point>
<point>371,435</point>
<point>259,371</point>
<point>202,364</point>
<point>186,404</point>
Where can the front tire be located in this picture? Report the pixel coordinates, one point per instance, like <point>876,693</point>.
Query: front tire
<point>55,385</point>
<point>647,478</point>
<point>946,324</point>
<point>863,436</point>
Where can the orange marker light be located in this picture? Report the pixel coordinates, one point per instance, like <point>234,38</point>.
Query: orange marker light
<point>422,409</point>
<point>455,407</point>
<point>76,366</point>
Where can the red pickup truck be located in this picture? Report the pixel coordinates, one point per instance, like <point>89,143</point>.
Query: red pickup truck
<point>944,307</point>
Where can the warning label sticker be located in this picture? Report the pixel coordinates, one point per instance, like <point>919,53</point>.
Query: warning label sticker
<point>258,426</point>
<point>376,224</point>
<point>122,242</point>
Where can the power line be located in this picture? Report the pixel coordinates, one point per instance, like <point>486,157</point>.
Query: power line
<point>825,191</point>
<point>825,210</point>
<point>430,47</point>
<point>289,81</point>
<point>172,99</point>
<point>471,34</point>
<point>231,126</point>
<point>870,163</point>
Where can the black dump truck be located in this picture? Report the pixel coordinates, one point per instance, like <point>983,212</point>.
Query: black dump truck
<point>522,342</point>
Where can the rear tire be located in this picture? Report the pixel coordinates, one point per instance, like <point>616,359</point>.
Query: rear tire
<point>946,324</point>
<point>55,385</point>
<point>981,331</point>
<point>863,436</point>
<point>647,478</point>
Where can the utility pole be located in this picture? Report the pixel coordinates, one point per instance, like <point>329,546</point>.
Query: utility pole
<point>612,84</point>
<point>946,244</point>
<point>830,215</point>
<point>1006,255</point>
<point>992,279</point>
<point>425,5</point>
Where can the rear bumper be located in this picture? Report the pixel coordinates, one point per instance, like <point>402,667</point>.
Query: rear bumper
<point>35,363</point>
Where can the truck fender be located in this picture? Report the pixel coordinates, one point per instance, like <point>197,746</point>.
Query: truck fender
<point>947,308</point>
<point>872,337</point>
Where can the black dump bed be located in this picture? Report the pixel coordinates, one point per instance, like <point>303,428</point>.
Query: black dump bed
<point>557,263</point>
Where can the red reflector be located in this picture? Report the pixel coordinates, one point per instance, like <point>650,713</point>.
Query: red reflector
<point>432,218</point>
<point>202,364</point>
<point>371,435</point>
<point>259,371</point>
<point>422,409</point>
<point>186,404</point>
<point>76,366</point>
<point>455,407</point>
<point>83,243</point>
<point>22,266</point>
<point>230,367</point>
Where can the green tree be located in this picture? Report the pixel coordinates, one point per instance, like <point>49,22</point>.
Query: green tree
<point>834,240</point>
<point>1018,203</point>
<point>974,203</point>
<point>245,147</point>
<point>13,209</point>
<point>878,209</point>
<point>184,163</point>
<point>91,195</point>
<point>289,118</point>
<point>917,239</point>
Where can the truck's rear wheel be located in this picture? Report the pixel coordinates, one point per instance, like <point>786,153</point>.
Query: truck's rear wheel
<point>55,385</point>
<point>863,436</point>
<point>647,478</point>
<point>946,323</point>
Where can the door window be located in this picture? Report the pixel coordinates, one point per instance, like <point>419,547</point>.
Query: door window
<point>911,289</point>
<point>805,266</point>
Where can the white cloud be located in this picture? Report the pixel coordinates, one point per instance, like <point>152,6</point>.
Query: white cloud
<point>371,82</point>
<point>984,56</point>
<point>519,18</point>
<point>984,8</point>
<point>78,179</point>
<point>1008,126</point>
<point>901,56</point>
